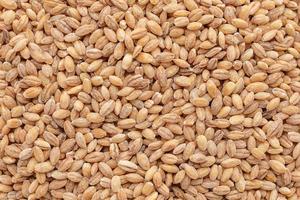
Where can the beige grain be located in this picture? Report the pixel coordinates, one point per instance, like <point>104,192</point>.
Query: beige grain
<point>124,99</point>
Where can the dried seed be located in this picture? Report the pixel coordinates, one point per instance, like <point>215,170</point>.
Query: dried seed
<point>149,99</point>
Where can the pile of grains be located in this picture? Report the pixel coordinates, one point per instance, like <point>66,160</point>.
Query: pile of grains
<point>150,99</point>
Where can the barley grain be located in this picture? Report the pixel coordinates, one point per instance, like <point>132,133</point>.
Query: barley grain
<point>126,99</point>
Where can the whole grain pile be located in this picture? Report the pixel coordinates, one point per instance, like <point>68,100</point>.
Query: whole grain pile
<point>150,99</point>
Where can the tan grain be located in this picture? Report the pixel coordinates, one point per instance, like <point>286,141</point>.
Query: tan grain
<point>154,100</point>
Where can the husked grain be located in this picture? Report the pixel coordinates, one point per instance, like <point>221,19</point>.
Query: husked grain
<point>150,100</point>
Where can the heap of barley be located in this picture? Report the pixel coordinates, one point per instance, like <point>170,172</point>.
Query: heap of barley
<point>150,99</point>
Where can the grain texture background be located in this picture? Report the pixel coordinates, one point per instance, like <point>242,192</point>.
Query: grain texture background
<point>150,99</point>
